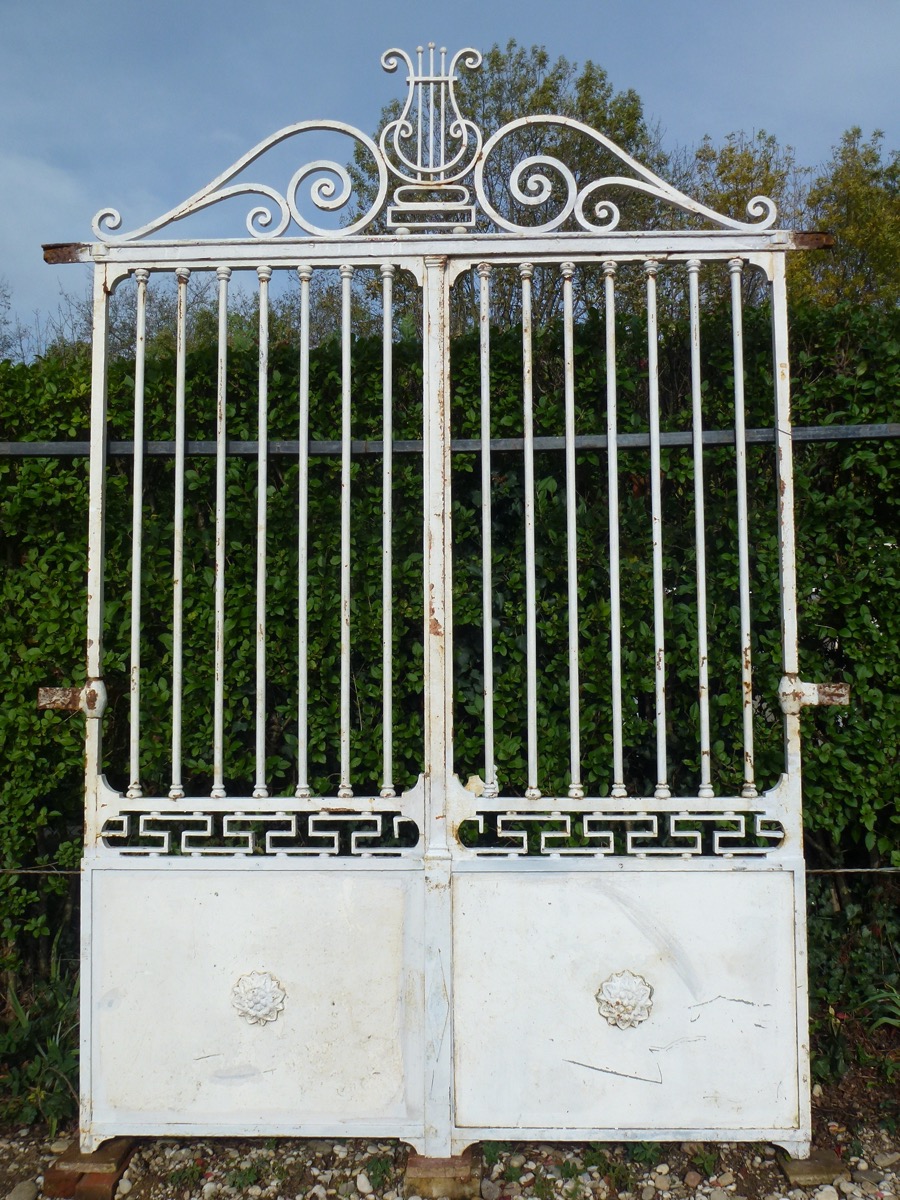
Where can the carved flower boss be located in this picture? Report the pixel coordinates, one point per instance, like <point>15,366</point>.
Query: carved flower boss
<point>258,997</point>
<point>625,999</point>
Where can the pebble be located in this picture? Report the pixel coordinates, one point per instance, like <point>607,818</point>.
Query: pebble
<point>363,1186</point>
<point>490,1190</point>
<point>60,1146</point>
<point>662,1182</point>
<point>517,1160</point>
<point>648,1192</point>
<point>828,1192</point>
<point>886,1160</point>
<point>125,1186</point>
<point>27,1190</point>
<point>718,1193</point>
<point>661,1169</point>
<point>209,1190</point>
<point>692,1179</point>
<point>726,1179</point>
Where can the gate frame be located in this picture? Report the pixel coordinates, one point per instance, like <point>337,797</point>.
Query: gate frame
<point>436,250</point>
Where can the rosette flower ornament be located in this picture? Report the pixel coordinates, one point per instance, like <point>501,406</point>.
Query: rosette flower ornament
<point>258,997</point>
<point>625,999</point>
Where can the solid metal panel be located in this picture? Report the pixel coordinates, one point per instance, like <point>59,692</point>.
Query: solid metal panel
<point>718,1050</point>
<point>169,947</point>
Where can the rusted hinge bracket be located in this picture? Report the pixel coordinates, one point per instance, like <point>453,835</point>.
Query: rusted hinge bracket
<point>794,693</point>
<point>91,699</point>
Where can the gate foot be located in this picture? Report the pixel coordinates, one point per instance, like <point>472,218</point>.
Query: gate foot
<point>89,1176</point>
<point>458,1178</point>
<point>822,1166</point>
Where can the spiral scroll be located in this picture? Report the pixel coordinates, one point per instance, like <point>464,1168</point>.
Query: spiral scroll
<point>331,189</point>
<point>604,215</point>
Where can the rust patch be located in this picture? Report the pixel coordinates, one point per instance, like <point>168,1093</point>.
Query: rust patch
<point>66,698</point>
<point>813,241</point>
<point>435,628</point>
<point>63,252</point>
<point>834,693</point>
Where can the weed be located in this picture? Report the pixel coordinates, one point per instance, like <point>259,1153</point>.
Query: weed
<point>646,1154</point>
<point>569,1169</point>
<point>491,1152</point>
<point>187,1176</point>
<point>512,1174</point>
<point>542,1186</point>
<point>706,1160</point>
<point>379,1172</point>
<point>887,1007</point>
<point>616,1173</point>
<point>244,1177</point>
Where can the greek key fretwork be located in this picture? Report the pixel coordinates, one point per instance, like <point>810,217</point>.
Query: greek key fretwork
<point>352,834</point>
<point>681,835</point>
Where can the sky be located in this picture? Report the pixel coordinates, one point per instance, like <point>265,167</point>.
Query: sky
<point>136,106</point>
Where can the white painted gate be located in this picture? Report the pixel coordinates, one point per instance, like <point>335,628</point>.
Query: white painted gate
<point>517,958</point>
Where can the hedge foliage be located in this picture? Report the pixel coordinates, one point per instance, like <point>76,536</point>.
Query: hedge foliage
<point>846,367</point>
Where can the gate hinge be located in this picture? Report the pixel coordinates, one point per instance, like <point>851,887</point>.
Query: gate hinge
<point>794,693</point>
<point>91,699</point>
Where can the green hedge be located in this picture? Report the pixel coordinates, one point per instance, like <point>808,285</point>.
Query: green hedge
<point>846,365</point>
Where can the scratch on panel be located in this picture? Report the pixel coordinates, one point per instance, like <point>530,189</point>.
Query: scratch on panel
<point>619,1074</point>
<point>728,1000</point>
<point>677,1042</point>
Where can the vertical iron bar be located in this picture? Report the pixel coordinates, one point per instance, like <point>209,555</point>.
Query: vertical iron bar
<point>443,96</point>
<point>532,791</point>
<point>618,790</point>
<point>93,747</point>
<point>705,790</point>
<point>438,647</point>
<point>223,274</point>
<point>784,466</point>
<point>419,86</point>
<point>387,485</point>
<point>344,788</point>
<point>134,791</point>
<point>431,104</point>
<point>302,790</point>
<point>176,791</point>
<point>487,587</point>
<point>260,789</point>
<point>735,267</point>
<point>576,790</point>
<point>661,792</point>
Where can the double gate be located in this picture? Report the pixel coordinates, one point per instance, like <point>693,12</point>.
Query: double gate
<point>297,917</point>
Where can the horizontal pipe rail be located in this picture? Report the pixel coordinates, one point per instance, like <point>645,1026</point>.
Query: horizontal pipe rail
<point>590,441</point>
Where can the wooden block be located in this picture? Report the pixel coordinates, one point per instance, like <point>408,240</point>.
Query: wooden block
<point>60,1185</point>
<point>457,1178</point>
<point>96,1185</point>
<point>822,1166</point>
<point>108,1160</point>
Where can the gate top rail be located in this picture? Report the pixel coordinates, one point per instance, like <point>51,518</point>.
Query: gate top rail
<point>428,175</point>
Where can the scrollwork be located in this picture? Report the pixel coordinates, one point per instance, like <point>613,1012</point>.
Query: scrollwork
<point>436,152</point>
<point>272,219</point>
<point>606,214</point>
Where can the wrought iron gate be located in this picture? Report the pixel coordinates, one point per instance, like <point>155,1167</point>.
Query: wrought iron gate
<point>565,947</point>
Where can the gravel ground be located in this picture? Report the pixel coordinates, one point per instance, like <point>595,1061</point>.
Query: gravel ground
<point>299,1169</point>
